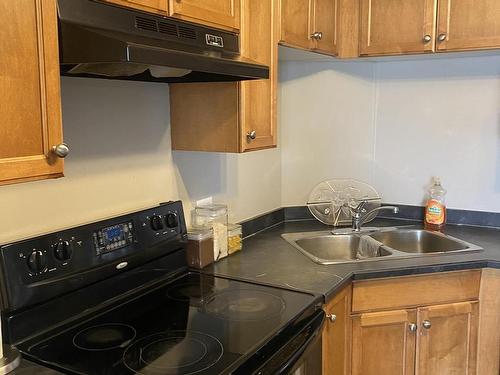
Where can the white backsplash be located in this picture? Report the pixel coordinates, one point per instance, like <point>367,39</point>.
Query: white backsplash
<point>121,160</point>
<point>394,124</point>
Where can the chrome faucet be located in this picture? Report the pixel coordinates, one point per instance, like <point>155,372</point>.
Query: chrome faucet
<point>357,218</point>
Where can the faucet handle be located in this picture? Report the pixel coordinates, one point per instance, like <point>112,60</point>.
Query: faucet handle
<point>360,207</point>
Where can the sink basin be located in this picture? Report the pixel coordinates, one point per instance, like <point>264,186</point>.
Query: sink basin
<point>419,241</point>
<point>327,248</point>
<point>335,249</point>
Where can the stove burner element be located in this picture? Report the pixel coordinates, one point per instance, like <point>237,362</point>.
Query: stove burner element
<point>104,337</point>
<point>180,351</point>
<point>185,292</point>
<point>172,353</point>
<point>245,305</point>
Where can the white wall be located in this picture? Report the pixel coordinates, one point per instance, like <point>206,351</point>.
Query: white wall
<point>394,124</point>
<point>121,160</point>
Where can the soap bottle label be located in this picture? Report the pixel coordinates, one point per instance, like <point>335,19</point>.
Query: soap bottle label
<point>434,213</point>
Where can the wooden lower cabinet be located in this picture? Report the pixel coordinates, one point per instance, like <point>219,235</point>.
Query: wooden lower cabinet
<point>384,343</point>
<point>488,353</point>
<point>425,337</point>
<point>336,334</point>
<point>447,339</point>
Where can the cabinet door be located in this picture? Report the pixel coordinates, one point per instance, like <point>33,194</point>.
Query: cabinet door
<point>384,343</point>
<point>468,25</point>
<point>258,98</point>
<point>154,6</point>
<point>30,113</point>
<point>324,30</point>
<point>394,27</point>
<point>217,116</point>
<point>336,335</point>
<point>447,340</point>
<point>296,26</point>
<point>220,13</point>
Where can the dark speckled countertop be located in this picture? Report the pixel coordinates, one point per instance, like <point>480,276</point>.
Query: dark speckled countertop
<point>267,258</point>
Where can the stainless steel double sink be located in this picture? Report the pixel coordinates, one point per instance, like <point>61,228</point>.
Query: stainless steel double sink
<point>375,244</point>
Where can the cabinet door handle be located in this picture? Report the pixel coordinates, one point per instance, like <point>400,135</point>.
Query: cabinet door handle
<point>331,317</point>
<point>427,38</point>
<point>251,135</point>
<point>426,324</point>
<point>442,37</point>
<point>412,327</point>
<point>61,150</point>
<point>318,35</point>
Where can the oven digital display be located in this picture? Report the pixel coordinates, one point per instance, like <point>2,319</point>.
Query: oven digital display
<point>114,237</point>
<point>114,233</point>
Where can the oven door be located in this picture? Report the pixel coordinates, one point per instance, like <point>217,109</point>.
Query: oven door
<point>299,353</point>
<point>310,361</point>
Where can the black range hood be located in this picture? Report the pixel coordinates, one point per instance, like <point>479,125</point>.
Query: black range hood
<point>105,41</point>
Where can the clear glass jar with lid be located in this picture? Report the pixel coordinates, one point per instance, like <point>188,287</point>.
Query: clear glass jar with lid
<point>213,216</point>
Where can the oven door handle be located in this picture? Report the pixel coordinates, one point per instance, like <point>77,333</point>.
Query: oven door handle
<point>314,329</point>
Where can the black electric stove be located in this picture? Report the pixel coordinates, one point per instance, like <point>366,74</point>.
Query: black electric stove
<point>116,297</point>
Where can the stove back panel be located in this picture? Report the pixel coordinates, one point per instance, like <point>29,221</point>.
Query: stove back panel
<point>40,269</point>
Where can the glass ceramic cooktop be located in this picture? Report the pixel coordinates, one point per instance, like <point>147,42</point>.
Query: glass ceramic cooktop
<point>197,324</point>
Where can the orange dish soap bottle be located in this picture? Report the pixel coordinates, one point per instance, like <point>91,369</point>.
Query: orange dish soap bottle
<point>435,209</point>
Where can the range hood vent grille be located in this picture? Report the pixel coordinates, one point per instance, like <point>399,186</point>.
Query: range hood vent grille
<point>167,28</point>
<point>148,24</point>
<point>187,32</point>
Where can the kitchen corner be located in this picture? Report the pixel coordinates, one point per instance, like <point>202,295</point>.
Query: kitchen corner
<point>246,187</point>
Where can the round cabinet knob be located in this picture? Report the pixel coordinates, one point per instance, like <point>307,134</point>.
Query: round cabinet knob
<point>61,150</point>
<point>37,263</point>
<point>156,223</point>
<point>412,327</point>
<point>171,220</point>
<point>442,37</point>
<point>331,317</point>
<point>426,324</point>
<point>62,251</point>
<point>318,35</point>
<point>251,135</point>
<point>427,38</point>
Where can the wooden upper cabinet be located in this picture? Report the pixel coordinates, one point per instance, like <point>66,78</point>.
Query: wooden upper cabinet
<point>218,13</point>
<point>392,27</point>
<point>468,25</point>
<point>232,116</point>
<point>324,29</point>
<point>258,98</point>
<point>382,343</point>
<point>30,112</point>
<point>154,6</point>
<point>310,24</point>
<point>296,26</point>
<point>447,343</point>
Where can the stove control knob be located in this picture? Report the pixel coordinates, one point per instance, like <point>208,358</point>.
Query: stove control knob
<point>37,262</point>
<point>156,223</point>
<point>62,251</point>
<point>171,220</point>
